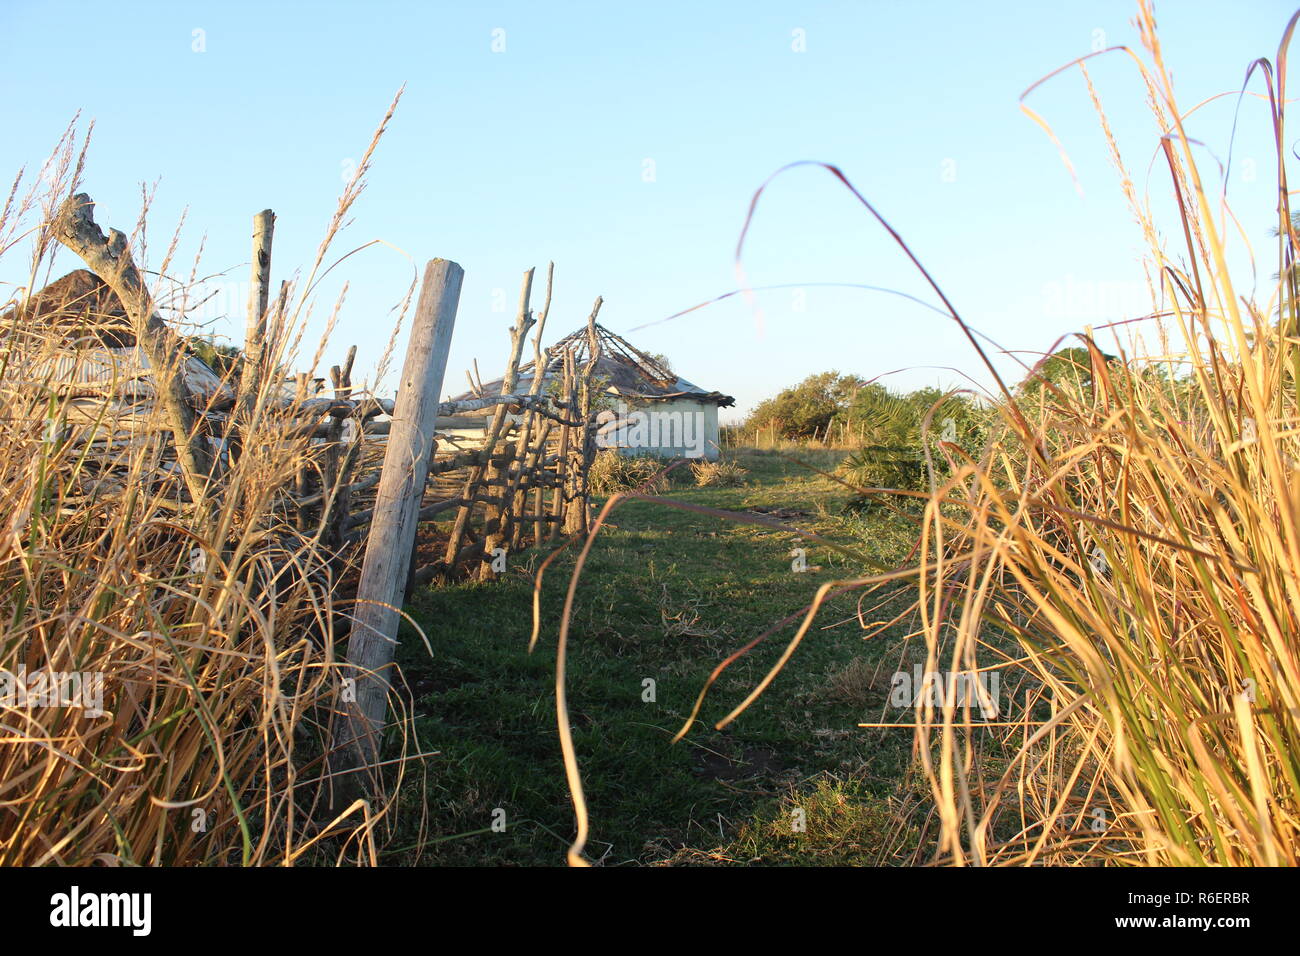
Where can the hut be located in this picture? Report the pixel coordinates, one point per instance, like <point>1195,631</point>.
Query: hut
<point>74,340</point>
<point>642,406</point>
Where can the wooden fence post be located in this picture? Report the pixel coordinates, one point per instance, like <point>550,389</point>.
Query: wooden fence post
<point>392,532</point>
<point>579,513</point>
<point>514,494</point>
<point>259,297</point>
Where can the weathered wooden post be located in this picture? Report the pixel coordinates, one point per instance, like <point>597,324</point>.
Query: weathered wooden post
<point>579,513</point>
<point>501,523</point>
<point>396,515</point>
<point>259,298</point>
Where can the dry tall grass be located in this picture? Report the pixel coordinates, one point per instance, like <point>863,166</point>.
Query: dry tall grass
<point>1128,553</point>
<point>210,623</point>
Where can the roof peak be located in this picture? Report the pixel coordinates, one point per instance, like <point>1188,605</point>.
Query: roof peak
<point>625,370</point>
<point>613,344</point>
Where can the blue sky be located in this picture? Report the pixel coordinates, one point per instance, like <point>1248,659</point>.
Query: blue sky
<point>505,159</point>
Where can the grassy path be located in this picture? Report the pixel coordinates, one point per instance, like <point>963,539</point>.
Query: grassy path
<point>666,595</point>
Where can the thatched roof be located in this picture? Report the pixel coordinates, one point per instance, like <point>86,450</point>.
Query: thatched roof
<point>630,373</point>
<point>76,305</point>
<point>74,335</point>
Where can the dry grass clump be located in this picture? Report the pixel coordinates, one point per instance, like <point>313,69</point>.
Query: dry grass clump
<point>611,472</point>
<point>855,683</point>
<point>719,474</point>
<point>192,640</point>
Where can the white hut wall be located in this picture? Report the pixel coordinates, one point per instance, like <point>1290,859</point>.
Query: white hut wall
<point>680,428</point>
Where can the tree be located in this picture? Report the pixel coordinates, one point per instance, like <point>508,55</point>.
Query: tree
<point>1066,366</point>
<point>808,408</point>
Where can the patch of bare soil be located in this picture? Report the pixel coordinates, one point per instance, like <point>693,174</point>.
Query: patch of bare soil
<point>780,514</point>
<point>750,764</point>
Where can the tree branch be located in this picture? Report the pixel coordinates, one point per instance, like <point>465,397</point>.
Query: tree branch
<point>110,259</point>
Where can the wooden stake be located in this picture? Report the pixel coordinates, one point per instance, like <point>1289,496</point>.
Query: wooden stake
<point>250,378</point>
<point>397,506</point>
<point>503,533</point>
<point>560,500</point>
<point>580,506</point>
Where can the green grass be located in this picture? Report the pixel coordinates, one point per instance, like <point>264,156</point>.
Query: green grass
<point>666,595</point>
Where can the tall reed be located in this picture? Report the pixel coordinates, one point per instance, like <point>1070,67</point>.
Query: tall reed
<point>1127,554</point>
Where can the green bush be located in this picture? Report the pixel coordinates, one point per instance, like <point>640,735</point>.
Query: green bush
<point>900,468</point>
<point>805,409</point>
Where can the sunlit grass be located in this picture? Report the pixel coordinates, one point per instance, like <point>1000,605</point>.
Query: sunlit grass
<point>208,623</point>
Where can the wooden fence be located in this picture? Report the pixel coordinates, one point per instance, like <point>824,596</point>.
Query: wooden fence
<point>377,488</point>
<point>522,483</point>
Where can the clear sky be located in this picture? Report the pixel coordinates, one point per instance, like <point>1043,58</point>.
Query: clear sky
<point>625,140</point>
